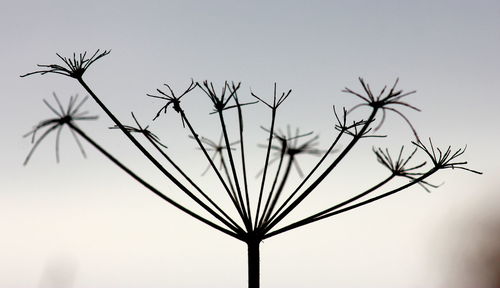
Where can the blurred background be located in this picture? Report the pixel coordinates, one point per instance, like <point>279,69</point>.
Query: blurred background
<point>84,223</point>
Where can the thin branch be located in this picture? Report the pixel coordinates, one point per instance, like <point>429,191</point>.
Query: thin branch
<point>153,189</point>
<point>273,108</point>
<point>145,152</point>
<point>312,187</point>
<point>154,140</point>
<point>242,147</point>
<point>357,205</point>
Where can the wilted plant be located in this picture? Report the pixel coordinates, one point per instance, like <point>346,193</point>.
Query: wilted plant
<point>260,211</point>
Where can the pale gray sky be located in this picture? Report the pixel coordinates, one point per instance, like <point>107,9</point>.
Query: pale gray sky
<point>87,220</point>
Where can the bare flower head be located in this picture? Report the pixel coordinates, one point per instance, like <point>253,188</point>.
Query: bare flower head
<point>144,131</point>
<point>277,101</point>
<point>233,90</point>
<point>446,159</point>
<point>219,101</point>
<point>352,128</point>
<point>398,166</point>
<point>172,99</point>
<point>217,148</point>
<point>73,67</point>
<point>384,101</point>
<point>64,117</point>
<point>289,145</point>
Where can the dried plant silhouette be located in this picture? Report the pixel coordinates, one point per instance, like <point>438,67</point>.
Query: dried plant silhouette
<point>254,214</point>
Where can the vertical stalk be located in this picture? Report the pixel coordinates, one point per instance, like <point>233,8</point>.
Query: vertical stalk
<point>271,192</point>
<point>280,189</point>
<point>253,263</point>
<point>266,163</point>
<point>243,164</point>
<point>237,189</point>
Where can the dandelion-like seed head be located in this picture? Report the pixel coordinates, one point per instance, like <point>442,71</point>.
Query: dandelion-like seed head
<point>219,101</point>
<point>144,131</point>
<point>65,117</point>
<point>172,99</point>
<point>384,101</point>
<point>446,159</point>
<point>398,166</point>
<point>73,67</point>
<point>289,145</point>
<point>217,148</point>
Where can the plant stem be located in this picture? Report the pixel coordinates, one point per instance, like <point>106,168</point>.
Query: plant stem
<point>322,177</point>
<point>147,154</point>
<point>253,263</point>
<point>235,226</point>
<point>243,164</point>
<point>280,188</point>
<point>290,197</point>
<point>246,219</point>
<point>149,186</point>
<point>362,203</point>
<point>212,164</point>
<point>266,164</point>
<point>273,186</point>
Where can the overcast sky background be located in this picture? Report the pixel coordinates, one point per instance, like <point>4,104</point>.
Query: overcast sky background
<point>83,223</point>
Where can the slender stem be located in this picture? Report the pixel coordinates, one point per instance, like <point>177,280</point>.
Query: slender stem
<point>233,169</point>
<point>352,199</point>
<point>280,187</point>
<point>149,186</point>
<point>243,163</point>
<point>266,163</point>
<point>146,153</point>
<point>273,186</point>
<point>228,175</point>
<point>339,205</point>
<point>328,151</point>
<point>320,179</point>
<point>235,227</point>
<point>253,263</point>
<point>212,164</point>
<point>357,205</point>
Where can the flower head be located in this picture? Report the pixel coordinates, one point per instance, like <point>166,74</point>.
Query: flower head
<point>445,160</point>
<point>352,129</point>
<point>145,131</point>
<point>64,117</point>
<point>385,102</point>
<point>74,67</point>
<point>172,99</point>
<point>217,149</point>
<point>398,167</point>
<point>289,145</point>
<point>277,101</point>
<point>220,101</point>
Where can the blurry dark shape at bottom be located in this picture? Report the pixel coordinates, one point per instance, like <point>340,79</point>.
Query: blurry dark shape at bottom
<point>476,249</point>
